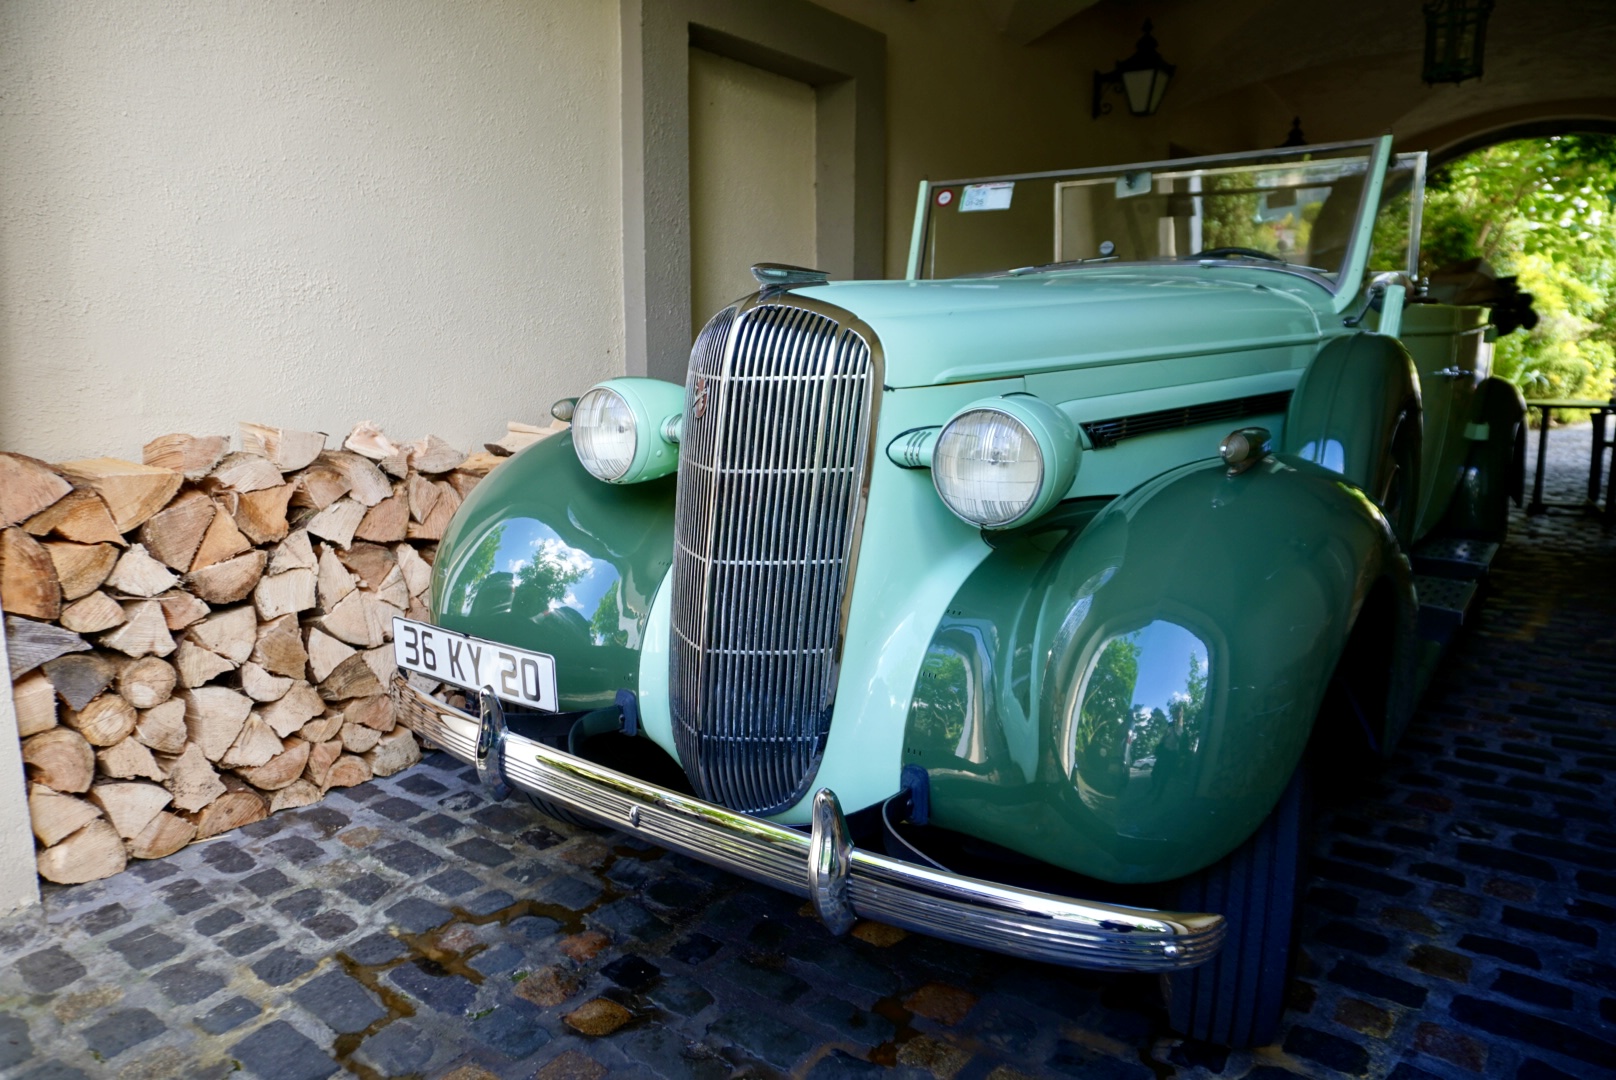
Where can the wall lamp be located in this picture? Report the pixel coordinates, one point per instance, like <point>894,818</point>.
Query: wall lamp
<point>1142,79</point>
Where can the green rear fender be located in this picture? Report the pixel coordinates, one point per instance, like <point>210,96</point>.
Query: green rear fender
<point>1495,463</point>
<point>544,556</point>
<point>1357,413</point>
<point>1126,693</point>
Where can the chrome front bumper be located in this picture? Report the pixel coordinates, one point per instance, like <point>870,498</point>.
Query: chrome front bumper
<point>843,882</point>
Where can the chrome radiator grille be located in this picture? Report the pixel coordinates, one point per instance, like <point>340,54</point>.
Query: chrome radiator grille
<point>772,467</point>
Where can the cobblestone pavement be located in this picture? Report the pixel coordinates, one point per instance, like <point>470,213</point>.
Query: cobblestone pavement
<point>1461,923</point>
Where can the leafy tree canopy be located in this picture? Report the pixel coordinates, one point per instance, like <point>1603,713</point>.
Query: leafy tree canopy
<point>1541,209</point>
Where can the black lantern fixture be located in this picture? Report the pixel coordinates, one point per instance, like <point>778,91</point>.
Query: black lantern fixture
<point>1295,136</point>
<point>1455,36</point>
<point>1142,79</point>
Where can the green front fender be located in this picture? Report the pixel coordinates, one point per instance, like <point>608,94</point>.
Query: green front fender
<point>1126,694</point>
<point>543,556</point>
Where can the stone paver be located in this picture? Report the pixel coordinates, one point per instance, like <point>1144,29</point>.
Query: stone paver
<point>1461,922</point>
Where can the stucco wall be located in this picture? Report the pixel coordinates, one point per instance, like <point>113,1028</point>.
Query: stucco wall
<point>304,214</point>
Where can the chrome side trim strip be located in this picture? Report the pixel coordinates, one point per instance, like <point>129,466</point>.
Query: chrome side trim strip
<point>843,881</point>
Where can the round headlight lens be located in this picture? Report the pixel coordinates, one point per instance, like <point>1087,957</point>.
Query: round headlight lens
<point>987,467</point>
<point>604,433</point>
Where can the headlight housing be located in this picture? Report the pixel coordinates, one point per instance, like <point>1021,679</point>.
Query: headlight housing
<point>1004,461</point>
<point>620,430</point>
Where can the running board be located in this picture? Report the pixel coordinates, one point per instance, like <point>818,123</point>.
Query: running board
<point>1444,602</point>
<point>1454,557</point>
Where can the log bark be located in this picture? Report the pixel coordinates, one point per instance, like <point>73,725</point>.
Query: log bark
<point>366,484</point>
<point>463,482</point>
<point>198,665</point>
<point>181,609</point>
<point>93,614</point>
<point>60,759</point>
<point>357,738</point>
<point>173,534</point>
<point>350,679</point>
<point>106,720</point>
<point>35,700</point>
<point>256,744</point>
<point>280,771</point>
<point>192,780</point>
<point>147,683</point>
<point>230,632</point>
<point>221,542</point>
<point>192,456</point>
<point>373,712</point>
<point>144,631</point>
<point>80,568</point>
<point>166,834</point>
<point>285,593</point>
<point>434,455</point>
<point>322,756</point>
<point>80,677</point>
<point>289,450</point>
<point>319,486</point>
<point>138,574</point>
<point>28,584</point>
<point>162,728</point>
<point>348,770</point>
<point>131,492</point>
<point>337,522</point>
<point>394,753</point>
<point>55,816</point>
<point>27,486</point>
<point>242,473</point>
<point>386,522</point>
<point>294,710</point>
<point>279,648</point>
<point>130,807</point>
<point>261,515</point>
<point>80,517</point>
<point>229,811</point>
<point>298,793</point>
<point>325,654</point>
<point>214,717</point>
<point>94,852</point>
<point>128,760</point>
<point>293,553</point>
<point>481,463</point>
<point>227,582</point>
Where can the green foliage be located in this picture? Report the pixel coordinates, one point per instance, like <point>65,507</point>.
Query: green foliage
<point>1540,209</point>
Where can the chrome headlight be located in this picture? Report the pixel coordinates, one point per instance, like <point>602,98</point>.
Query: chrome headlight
<point>1005,461</point>
<point>620,430</point>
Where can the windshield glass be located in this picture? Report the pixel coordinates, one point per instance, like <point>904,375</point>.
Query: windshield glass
<point>1299,208</point>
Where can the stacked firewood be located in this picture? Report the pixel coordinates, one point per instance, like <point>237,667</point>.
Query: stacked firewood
<point>202,639</point>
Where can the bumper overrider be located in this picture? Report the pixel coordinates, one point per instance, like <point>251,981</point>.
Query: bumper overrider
<point>843,882</point>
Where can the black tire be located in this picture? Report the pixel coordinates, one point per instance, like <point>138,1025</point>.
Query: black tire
<point>1238,998</point>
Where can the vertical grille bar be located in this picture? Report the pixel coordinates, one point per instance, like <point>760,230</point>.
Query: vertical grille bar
<point>771,475</point>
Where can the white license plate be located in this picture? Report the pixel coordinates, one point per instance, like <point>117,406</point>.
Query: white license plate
<point>515,675</point>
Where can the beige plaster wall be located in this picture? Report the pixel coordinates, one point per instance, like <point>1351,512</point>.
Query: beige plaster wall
<point>751,177</point>
<point>305,214</point>
<point>963,100</point>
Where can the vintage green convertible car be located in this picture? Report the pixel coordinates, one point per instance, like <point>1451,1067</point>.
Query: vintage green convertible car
<point>1011,602</point>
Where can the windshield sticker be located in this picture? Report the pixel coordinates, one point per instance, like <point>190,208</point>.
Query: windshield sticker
<point>944,197</point>
<point>1130,184</point>
<point>987,196</point>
